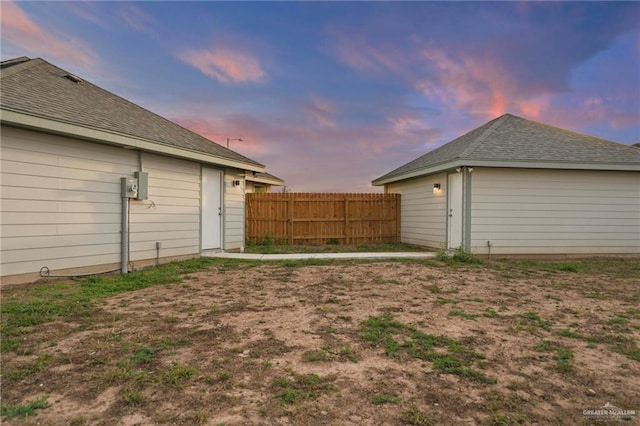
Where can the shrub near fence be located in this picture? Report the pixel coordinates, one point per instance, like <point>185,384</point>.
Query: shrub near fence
<point>319,218</point>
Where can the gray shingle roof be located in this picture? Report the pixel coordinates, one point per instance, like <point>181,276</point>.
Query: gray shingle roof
<point>513,140</point>
<point>36,87</point>
<point>259,177</point>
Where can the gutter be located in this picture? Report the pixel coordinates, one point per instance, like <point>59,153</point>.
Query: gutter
<point>559,165</point>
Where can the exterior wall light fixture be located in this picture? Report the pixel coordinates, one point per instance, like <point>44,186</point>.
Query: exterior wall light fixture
<point>437,188</point>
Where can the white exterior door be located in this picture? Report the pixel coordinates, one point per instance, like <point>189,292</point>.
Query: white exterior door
<point>454,219</point>
<point>211,209</point>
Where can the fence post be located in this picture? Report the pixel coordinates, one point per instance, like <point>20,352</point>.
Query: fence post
<point>398,212</point>
<point>347,230</point>
<point>290,202</point>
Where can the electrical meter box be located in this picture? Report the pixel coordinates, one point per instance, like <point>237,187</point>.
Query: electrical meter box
<point>129,187</point>
<point>143,185</point>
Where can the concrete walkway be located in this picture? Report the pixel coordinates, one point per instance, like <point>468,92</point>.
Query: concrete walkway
<point>292,256</point>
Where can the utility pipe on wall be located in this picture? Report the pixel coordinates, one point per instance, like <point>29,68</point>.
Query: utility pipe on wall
<point>124,251</point>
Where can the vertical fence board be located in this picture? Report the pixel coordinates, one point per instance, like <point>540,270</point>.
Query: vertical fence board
<point>318,218</point>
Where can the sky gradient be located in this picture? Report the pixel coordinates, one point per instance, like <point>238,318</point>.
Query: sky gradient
<point>332,95</point>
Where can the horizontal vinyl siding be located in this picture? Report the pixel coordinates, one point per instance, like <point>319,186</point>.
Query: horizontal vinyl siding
<point>171,214</point>
<point>61,204</point>
<point>233,210</point>
<point>60,201</point>
<point>524,211</point>
<point>422,214</point>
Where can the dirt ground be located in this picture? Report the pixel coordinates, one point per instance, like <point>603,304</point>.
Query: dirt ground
<point>344,344</point>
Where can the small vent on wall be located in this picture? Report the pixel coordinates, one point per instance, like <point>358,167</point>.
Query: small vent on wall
<point>73,78</point>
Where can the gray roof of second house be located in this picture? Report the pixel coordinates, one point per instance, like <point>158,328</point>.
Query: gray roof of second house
<point>34,87</point>
<point>265,178</point>
<point>511,141</point>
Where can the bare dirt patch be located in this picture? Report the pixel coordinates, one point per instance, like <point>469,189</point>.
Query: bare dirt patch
<point>347,343</point>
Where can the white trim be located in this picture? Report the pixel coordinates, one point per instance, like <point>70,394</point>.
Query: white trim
<point>275,182</point>
<point>560,165</point>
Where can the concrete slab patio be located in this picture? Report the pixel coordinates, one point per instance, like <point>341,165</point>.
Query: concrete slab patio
<point>297,256</point>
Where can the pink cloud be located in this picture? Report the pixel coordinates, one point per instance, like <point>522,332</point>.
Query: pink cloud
<point>227,65</point>
<point>321,111</point>
<point>19,30</point>
<point>479,84</point>
<point>233,127</point>
<point>534,108</point>
<point>137,19</point>
<point>311,156</point>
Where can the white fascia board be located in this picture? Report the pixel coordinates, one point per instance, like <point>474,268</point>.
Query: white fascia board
<point>560,165</point>
<point>265,180</point>
<point>48,125</point>
<point>418,172</point>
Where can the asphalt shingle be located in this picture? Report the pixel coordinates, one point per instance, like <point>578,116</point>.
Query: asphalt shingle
<point>36,87</point>
<point>516,140</point>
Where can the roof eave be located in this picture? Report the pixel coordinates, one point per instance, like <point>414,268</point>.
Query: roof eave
<point>562,165</point>
<point>275,182</point>
<point>417,173</point>
<point>49,125</point>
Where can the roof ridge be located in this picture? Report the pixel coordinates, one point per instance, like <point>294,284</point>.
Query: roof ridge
<point>480,139</point>
<point>16,65</point>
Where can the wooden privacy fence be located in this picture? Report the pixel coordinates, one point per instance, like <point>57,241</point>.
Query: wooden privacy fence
<point>318,218</point>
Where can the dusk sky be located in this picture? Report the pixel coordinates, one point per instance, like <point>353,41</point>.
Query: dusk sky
<point>331,95</point>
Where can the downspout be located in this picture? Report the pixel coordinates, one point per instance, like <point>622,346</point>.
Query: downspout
<point>124,251</point>
<point>466,220</point>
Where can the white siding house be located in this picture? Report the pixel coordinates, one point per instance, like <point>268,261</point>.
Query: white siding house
<point>518,187</point>
<point>423,213</point>
<point>262,182</point>
<point>65,146</point>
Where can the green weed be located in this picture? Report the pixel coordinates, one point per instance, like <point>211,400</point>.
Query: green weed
<point>133,397</point>
<point>28,369</point>
<point>443,301</point>
<point>300,388</point>
<point>326,353</point>
<point>544,346</point>
<point>531,320</point>
<point>9,411</point>
<point>504,409</point>
<point>564,360</point>
<point>385,398</point>
<point>631,352</point>
<point>462,314</point>
<point>143,355</point>
<point>176,377</point>
<point>415,417</point>
<point>316,356</point>
<point>397,339</point>
<point>490,313</point>
<point>566,332</point>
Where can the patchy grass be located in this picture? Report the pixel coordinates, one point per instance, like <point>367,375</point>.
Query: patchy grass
<point>297,388</point>
<point>400,339</point>
<point>416,342</point>
<point>462,314</point>
<point>385,398</point>
<point>413,416</point>
<point>9,411</point>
